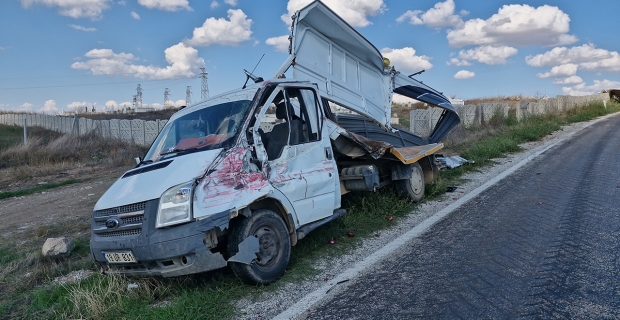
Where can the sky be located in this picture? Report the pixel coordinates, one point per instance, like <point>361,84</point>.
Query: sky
<point>60,55</point>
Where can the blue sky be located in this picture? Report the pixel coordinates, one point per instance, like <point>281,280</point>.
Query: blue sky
<point>62,54</point>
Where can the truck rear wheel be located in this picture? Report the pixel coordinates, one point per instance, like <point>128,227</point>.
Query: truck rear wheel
<point>413,188</point>
<point>274,247</point>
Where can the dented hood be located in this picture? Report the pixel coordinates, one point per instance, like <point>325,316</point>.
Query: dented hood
<point>150,182</point>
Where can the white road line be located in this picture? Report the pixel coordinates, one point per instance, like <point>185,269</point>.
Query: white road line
<point>314,297</point>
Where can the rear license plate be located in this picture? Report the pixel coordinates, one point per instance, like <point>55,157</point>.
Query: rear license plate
<point>119,257</point>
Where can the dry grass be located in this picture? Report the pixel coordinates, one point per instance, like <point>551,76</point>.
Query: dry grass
<point>70,149</point>
<point>49,154</point>
<point>96,298</point>
<point>501,98</point>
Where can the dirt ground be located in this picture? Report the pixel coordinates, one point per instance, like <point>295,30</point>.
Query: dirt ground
<point>64,211</point>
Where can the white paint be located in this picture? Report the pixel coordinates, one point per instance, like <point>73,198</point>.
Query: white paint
<point>317,295</point>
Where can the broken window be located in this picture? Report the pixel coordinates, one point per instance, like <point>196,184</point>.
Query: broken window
<point>291,118</point>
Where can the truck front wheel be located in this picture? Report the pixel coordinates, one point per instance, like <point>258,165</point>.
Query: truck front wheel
<point>274,247</point>
<point>413,188</point>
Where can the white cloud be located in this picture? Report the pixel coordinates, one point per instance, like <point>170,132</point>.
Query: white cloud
<point>214,4</point>
<point>183,60</point>
<point>354,12</point>
<point>157,106</point>
<point>568,80</point>
<point>135,15</point>
<point>76,27</point>
<point>441,15</point>
<point>231,2</point>
<point>221,31</point>
<point>111,105</point>
<point>488,54</point>
<point>26,107</point>
<point>405,59</point>
<point>166,5</point>
<point>122,3</point>
<point>565,70</point>
<point>179,103</point>
<point>280,43</point>
<point>464,74</point>
<point>78,106</point>
<point>458,62</point>
<point>49,107</point>
<point>584,57</point>
<point>583,90</point>
<point>74,8</point>
<point>516,25</point>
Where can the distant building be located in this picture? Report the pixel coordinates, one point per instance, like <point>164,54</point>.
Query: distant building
<point>457,102</point>
<point>144,109</point>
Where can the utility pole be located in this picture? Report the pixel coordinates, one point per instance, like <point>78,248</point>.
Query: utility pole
<point>188,96</point>
<point>166,98</point>
<point>204,93</point>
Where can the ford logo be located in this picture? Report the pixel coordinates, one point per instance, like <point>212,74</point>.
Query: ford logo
<point>112,223</point>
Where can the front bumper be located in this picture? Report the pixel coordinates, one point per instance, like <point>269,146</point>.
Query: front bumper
<point>168,252</point>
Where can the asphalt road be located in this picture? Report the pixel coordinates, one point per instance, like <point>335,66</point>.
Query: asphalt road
<point>543,243</point>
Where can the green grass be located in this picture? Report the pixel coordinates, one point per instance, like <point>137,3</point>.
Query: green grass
<point>211,295</point>
<point>7,255</point>
<point>43,187</point>
<point>10,136</point>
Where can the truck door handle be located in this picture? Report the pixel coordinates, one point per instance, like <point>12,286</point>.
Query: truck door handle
<point>328,153</point>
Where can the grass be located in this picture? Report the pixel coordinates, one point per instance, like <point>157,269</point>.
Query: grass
<point>212,295</point>
<point>47,186</point>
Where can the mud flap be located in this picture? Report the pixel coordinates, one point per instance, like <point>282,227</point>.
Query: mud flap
<point>247,251</point>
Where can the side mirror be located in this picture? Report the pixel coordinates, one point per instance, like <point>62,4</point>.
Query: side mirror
<point>137,160</point>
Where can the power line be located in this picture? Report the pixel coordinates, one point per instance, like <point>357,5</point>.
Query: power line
<point>88,84</point>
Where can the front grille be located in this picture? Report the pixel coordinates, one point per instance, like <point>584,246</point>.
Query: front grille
<point>129,220</point>
<point>122,209</point>
<point>131,232</point>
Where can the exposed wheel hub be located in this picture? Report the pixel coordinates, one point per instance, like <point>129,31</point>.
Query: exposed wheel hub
<point>269,245</point>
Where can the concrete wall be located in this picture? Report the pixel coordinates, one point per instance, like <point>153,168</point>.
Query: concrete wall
<point>423,121</point>
<point>137,131</point>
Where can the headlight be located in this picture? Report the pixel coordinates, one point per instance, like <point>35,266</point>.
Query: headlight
<point>175,205</point>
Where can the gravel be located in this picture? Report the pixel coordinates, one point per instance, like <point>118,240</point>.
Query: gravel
<point>271,303</point>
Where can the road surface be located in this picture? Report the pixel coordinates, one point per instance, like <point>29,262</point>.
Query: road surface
<point>543,243</point>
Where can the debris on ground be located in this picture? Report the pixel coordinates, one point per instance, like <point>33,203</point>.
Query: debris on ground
<point>450,162</point>
<point>73,276</point>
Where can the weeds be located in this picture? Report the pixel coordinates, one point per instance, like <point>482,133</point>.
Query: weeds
<point>89,148</point>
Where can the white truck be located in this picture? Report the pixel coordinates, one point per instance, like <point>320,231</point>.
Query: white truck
<point>239,178</point>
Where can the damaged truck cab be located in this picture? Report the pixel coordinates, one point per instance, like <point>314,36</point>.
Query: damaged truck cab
<point>239,178</point>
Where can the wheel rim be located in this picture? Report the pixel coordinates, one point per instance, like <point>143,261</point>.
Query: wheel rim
<point>417,181</point>
<point>269,246</point>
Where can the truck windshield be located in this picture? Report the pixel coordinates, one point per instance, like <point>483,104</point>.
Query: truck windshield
<point>214,124</point>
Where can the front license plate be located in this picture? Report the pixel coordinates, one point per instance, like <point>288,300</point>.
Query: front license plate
<point>119,257</point>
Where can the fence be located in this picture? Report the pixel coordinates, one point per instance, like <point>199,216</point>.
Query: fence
<point>422,121</point>
<point>138,131</point>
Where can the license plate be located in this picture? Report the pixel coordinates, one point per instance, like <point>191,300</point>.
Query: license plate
<point>119,257</point>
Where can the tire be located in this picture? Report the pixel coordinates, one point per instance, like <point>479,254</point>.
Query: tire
<point>274,245</point>
<point>412,188</point>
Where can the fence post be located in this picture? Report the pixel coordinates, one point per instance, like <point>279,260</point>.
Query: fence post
<point>25,133</point>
